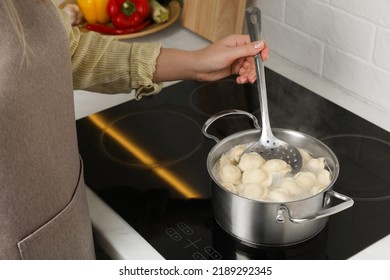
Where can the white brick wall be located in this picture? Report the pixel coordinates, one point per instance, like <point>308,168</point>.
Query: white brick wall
<point>345,42</point>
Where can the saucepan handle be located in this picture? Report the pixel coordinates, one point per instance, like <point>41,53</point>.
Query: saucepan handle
<point>347,202</point>
<point>225,113</point>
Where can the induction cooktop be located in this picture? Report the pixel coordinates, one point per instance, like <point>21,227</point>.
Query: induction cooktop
<point>147,160</point>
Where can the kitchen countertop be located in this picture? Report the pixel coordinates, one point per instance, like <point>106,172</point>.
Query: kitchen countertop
<point>117,238</point>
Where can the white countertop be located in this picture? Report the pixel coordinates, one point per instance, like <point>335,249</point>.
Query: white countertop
<point>117,238</point>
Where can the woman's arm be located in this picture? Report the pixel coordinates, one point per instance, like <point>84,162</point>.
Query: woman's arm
<point>231,55</point>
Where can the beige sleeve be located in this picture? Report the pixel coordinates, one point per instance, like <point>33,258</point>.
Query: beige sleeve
<point>105,65</point>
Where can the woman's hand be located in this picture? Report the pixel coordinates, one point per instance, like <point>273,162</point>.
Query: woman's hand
<point>232,55</point>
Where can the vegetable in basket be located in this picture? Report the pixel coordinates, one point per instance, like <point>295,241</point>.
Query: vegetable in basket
<point>102,28</point>
<point>126,13</point>
<point>94,11</point>
<point>160,14</point>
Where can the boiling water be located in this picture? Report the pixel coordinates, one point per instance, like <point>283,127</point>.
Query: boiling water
<point>281,185</point>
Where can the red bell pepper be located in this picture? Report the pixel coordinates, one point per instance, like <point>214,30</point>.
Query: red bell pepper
<point>102,28</point>
<point>128,13</point>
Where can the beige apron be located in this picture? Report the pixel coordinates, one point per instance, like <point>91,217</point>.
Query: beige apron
<point>43,207</point>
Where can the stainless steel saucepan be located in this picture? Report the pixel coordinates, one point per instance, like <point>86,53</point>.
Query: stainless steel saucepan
<point>273,223</point>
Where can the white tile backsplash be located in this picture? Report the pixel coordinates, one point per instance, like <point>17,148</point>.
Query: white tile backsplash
<point>365,80</point>
<point>332,26</point>
<point>381,56</point>
<point>376,11</point>
<point>344,42</point>
<point>296,46</point>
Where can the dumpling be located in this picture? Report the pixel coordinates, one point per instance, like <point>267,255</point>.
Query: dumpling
<point>306,179</point>
<point>323,177</point>
<point>291,187</point>
<point>224,160</point>
<point>305,155</point>
<point>234,154</point>
<point>315,164</point>
<point>317,189</point>
<point>277,166</point>
<point>230,173</point>
<point>251,161</point>
<point>230,187</point>
<point>252,191</point>
<point>256,176</point>
<point>278,196</point>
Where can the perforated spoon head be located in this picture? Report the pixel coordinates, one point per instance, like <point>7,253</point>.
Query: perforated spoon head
<point>273,148</point>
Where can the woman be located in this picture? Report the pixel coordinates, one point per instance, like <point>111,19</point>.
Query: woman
<point>43,207</point>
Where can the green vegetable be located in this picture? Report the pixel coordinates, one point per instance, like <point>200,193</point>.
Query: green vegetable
<point>160,14</point>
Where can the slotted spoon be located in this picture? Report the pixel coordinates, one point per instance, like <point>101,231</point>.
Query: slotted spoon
<point>268,146</point>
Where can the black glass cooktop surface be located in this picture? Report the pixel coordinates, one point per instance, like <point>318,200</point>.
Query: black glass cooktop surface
<point>147,160</point>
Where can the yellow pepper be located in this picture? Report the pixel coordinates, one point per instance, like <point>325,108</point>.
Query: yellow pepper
<point>94,11</point>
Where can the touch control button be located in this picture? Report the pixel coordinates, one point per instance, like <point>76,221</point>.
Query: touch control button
<point>185,228</point>
<point>212,253</point>
<point>173,234</point>
<point>198,256</point>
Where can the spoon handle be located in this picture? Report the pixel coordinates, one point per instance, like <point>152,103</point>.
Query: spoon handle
<point>253,19</point>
